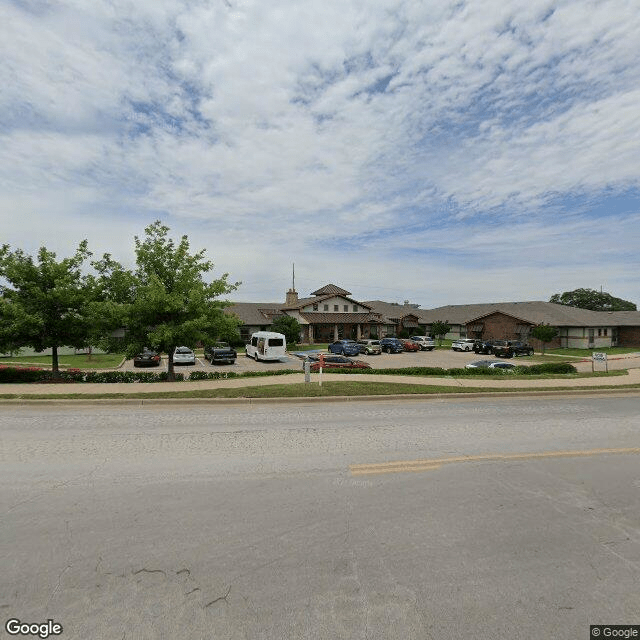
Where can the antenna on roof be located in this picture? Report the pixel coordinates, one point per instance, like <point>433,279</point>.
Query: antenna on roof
<point>293,283</point>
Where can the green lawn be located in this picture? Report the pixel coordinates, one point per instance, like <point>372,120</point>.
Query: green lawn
<point>586,353</point>
<point>95,361</point>
<point>302,390</point>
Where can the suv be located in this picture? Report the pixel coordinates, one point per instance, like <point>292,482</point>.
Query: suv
<point>370,347</point>
<point>464,344</point>
<point>345,347</point>
<point>426,343</point>
<point>511,348</point>
<point>391,345</point>
<point>483,346</point>
<point>221,352</point>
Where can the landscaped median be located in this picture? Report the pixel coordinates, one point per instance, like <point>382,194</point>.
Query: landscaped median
<point>411,381</point>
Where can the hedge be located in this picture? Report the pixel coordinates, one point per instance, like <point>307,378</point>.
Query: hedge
<point>32,374</point>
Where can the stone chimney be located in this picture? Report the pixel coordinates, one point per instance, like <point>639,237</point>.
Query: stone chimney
<point>292,298</point>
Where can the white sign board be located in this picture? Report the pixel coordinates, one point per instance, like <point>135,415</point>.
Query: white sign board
<point>599,357</point>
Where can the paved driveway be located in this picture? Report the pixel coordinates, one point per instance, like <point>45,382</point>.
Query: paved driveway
<point>446,359</point>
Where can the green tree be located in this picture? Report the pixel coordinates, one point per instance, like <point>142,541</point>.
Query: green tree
<point>172,304</point>
<point>544,333</point>
<point>47,303</point>
<point>439,329</point>
<point>593,300</point>
<point>288,326</point>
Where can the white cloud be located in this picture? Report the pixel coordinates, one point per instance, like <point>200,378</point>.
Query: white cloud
<point>314,121</point>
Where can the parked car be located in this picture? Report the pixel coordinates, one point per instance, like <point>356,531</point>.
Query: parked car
<point>483,346</point>
<point>146,359</point>
<point>391,345</point>
<point>511,348</point>
<point>490,364</point>
<point>335,362</point>
<point>345,347</point>
<point>426,343</point>
<point>220,353</point>
<point>410,345</point>
<point>464,344</point>
<point>370,347</point>
<point>184,355</point>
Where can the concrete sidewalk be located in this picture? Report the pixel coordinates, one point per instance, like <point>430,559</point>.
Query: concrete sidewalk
<point>502,383</point>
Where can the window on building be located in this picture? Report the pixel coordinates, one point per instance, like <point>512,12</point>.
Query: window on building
<point>335,307</point>
<point>345,307</point>
<point>599,332</point>
<point>355,307</point>
<point>326,307</point>
<point>315,307</point>
<point>605,332</point>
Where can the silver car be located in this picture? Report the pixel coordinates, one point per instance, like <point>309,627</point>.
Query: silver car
<point>184,355</point>
<point>370,347</point>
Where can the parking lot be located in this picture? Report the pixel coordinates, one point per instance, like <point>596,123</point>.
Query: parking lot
<point>445,358</point>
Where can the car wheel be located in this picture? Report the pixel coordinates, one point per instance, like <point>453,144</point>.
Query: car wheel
<point>468,349</point>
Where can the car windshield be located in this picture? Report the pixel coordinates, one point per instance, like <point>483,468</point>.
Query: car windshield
<point>183,350</point>
<point>222,345</point>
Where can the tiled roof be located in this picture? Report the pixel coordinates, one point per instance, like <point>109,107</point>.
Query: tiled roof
<point>331,318</point>
<point>331,289</point>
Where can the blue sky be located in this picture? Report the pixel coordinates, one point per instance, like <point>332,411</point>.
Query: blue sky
<point>442,153</point>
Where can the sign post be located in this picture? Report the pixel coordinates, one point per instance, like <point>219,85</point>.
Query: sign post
<point>599,357</point>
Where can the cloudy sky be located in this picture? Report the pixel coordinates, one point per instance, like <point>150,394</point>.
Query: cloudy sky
<point>440,152</point>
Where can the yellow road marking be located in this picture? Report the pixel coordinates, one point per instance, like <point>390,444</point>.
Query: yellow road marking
<point>401,466</point>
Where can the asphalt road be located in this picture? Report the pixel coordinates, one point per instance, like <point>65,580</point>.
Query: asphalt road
<point>505,518</point>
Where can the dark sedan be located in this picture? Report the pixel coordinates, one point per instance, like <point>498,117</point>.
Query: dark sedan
<point>335,362</point>
<point>147,359</point>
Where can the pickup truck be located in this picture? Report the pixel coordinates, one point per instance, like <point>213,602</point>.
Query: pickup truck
<point>511,348</point>
<point>220,353</point>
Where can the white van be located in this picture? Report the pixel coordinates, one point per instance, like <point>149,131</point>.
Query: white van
<point>266,345</point>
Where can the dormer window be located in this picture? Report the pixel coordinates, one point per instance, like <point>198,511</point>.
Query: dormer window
<point>346,307</point>
<point>315,306</point>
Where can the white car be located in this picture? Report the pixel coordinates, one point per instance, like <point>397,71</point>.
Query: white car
<point>490,364</point>
<point>184,355</point>
<point>464,344</point>
<point>426,343</point>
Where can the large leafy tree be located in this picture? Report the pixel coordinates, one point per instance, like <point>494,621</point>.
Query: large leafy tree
<point>171,305</point>
<point>289,327</point>
<point>592,299</point>
<point>47,302</point>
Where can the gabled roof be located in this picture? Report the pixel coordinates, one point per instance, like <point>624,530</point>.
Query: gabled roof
<point>391,312</point>
<point>303,302</point>
<point>331,289</point>
<point>535,312</point>
<point>255,313</point>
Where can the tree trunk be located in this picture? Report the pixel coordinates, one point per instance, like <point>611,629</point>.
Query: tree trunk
<point>54,362</point>
<point>171,375</point>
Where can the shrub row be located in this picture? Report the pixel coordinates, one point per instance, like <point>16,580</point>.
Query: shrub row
<point>31,374</point>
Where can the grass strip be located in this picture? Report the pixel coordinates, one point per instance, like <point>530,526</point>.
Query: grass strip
<point>302,390</point>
